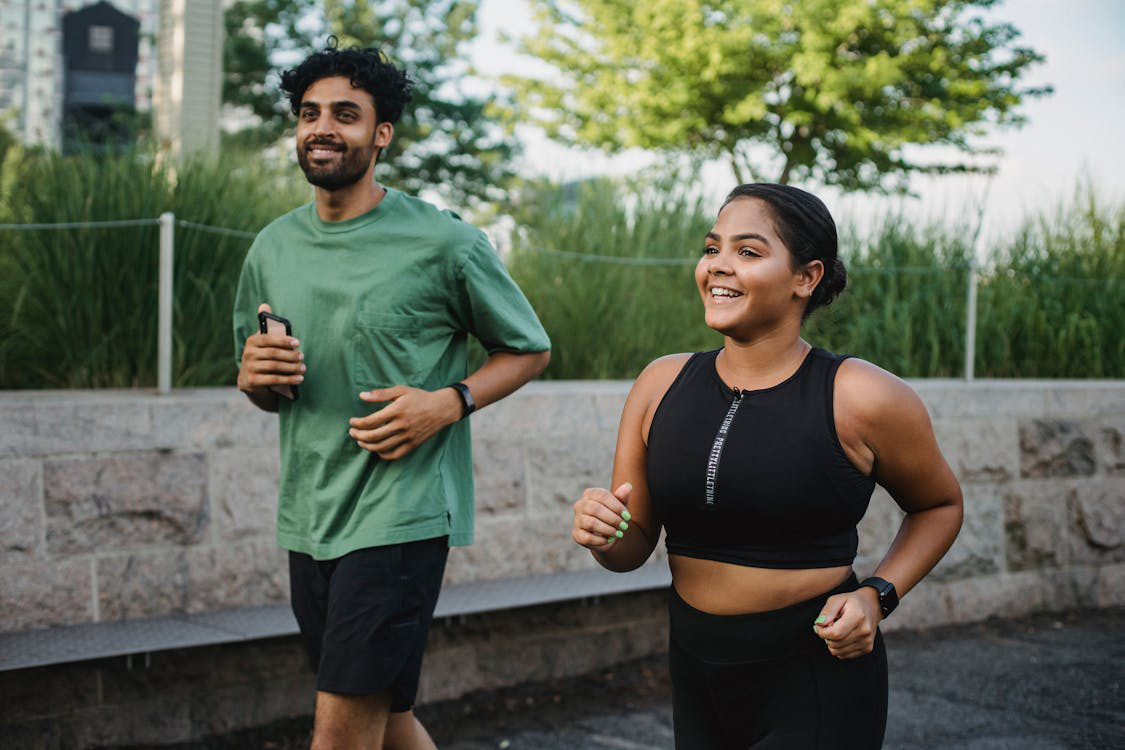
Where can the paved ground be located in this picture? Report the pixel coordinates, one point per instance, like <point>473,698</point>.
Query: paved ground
<point>1042,683</point>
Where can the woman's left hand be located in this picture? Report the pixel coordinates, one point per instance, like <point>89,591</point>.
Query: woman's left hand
<point>848,623</point>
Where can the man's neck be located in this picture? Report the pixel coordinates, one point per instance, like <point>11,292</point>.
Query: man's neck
<point>350,202</point>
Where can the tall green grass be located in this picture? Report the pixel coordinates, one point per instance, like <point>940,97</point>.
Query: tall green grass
<point>78,306</point>
<point>1051,299</point>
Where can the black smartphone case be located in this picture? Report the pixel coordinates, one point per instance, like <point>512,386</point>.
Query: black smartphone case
<point>286,391</point>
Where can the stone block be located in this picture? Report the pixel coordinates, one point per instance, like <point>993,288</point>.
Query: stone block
<point>559,407</point>
<point>980,450</point>
<point>1070,587</point>
<point>243,491</point>
<point>44,593</point>
<point>1001,595</point>
<point>561,466</point>
<point>46,691</point>
<point>1111,586</point>
<point>129,501</point>
<point>59,425</point>
<point>160,720</point>
<point>1055,448</point>
<point>1035,519</point>
<point>1111,445</point>
<point>21,510</point>
<point>516,547</point>
<point>924,606</point>
<point>205,420</point>
<point>189,580</point>
<point>500,476</point>
<point>979,547</point>
<point>982,399</point>
<point>1097,521</point>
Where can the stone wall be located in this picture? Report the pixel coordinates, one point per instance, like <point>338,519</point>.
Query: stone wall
<point>117,505</point>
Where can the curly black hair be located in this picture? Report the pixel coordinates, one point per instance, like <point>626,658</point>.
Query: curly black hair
<point>806,227</point>
<point>367,68</point>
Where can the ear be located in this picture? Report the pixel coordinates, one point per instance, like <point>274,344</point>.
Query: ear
<point>806,278</point>
<point>384,131</point>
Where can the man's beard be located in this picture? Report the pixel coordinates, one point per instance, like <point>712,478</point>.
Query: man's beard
<point>347,171</point>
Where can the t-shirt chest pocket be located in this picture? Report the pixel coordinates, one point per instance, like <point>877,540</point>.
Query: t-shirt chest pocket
<point>386,350</point>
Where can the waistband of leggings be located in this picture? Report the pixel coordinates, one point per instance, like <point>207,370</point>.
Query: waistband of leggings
<point>753,637</point>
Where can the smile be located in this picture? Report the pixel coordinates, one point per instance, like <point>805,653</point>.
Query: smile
<point>721,294</point>
<point>322,152</point>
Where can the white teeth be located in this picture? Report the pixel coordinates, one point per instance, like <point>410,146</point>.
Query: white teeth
<point>719,291</point>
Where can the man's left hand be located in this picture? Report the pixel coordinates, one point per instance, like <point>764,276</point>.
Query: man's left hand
<point>412,416</point>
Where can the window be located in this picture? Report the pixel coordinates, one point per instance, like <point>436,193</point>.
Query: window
<point>101,39</point>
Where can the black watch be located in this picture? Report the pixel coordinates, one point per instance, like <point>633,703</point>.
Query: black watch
<point>888,597</point>
<point>468,406</point>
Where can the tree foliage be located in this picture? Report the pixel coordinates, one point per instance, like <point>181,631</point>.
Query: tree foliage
<point>446,140</point>
<point>830,90</point>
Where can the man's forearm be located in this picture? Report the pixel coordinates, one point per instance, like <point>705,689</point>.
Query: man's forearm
<point>503,373</point>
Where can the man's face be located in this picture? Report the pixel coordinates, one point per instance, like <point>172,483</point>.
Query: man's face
<point>338,139</point>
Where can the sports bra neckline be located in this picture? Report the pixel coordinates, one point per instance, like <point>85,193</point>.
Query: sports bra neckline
<point>714,370</point>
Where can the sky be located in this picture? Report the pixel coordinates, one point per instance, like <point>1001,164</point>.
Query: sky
<point>1073,135</point>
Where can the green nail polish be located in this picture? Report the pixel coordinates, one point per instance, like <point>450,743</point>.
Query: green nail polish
<point>619,534</point>
<point>611,540</point>
<point>623,525</point>
<point>815,630</point>
<point>821,620</point>
<point>626,515</point>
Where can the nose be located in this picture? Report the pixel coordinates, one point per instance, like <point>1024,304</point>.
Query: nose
<point>322,126</point>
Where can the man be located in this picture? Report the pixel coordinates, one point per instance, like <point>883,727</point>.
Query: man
<point>376,473</point>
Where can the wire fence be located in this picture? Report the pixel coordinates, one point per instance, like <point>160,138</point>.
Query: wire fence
<point>167,223</point>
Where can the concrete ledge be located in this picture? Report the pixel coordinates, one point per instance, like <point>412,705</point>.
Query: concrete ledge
<point>61,645</point>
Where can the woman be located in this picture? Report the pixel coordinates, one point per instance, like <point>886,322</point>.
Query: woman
<point>759,459</point>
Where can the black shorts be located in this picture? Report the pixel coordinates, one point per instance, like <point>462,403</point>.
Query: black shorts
<point>766,681</point>
<point>364,617</point>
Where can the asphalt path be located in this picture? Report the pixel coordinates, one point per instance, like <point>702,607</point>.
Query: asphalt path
<point>1044,682</point>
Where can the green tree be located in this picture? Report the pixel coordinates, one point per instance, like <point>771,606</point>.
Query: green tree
<point>830,90</point>
<point>258,33</point>
<point>447,139</point>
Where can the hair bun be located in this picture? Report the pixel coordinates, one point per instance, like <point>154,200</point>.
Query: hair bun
<point>832,283</point>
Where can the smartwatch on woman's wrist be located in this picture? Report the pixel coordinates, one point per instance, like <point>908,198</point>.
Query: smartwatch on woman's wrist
<point>888,597</point>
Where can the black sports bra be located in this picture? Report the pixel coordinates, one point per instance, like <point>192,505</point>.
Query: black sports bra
<point>755,478</point>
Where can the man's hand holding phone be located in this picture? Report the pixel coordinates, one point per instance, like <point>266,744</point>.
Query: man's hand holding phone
<point>270,362</point>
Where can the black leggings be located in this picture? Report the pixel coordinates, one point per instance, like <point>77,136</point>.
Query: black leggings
<point>764,680</point>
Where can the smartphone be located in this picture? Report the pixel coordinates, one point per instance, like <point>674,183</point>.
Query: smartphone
<point>270,323</point>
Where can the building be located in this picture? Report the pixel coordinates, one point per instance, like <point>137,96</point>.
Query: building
<point>178,75</point>
<point>100,45</point>
<point>189,83</point>
<point>32,76</point>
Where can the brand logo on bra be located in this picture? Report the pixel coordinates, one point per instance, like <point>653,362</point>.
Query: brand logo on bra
<point>717,451</point>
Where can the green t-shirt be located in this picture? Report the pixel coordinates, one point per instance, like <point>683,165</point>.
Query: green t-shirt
<point>386,298</point>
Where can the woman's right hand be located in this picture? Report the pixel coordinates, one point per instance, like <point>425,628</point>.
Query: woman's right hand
<point>601,517</point>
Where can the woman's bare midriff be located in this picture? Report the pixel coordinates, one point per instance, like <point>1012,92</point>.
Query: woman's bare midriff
<point>726,589</point>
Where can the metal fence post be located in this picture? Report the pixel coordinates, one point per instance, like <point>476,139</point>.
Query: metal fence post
<point>164,318</point>
<point>971,320</point>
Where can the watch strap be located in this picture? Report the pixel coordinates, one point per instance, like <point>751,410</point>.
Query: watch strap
<point>468,405</point>
<point>888,596</point>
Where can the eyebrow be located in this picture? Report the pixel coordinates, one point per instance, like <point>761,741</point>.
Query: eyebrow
<point>744,236</point>
<point>342,104</point>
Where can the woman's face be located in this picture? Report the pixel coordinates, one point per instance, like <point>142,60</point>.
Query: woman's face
<point>745,276</point>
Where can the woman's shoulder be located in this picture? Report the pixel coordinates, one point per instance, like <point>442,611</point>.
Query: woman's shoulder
<point>662,372</point>
<point>871,394</point>
<point>657,377</point>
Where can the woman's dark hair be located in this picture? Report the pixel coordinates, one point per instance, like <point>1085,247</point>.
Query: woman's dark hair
<point>807,229</point>
<point>367,69</point>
